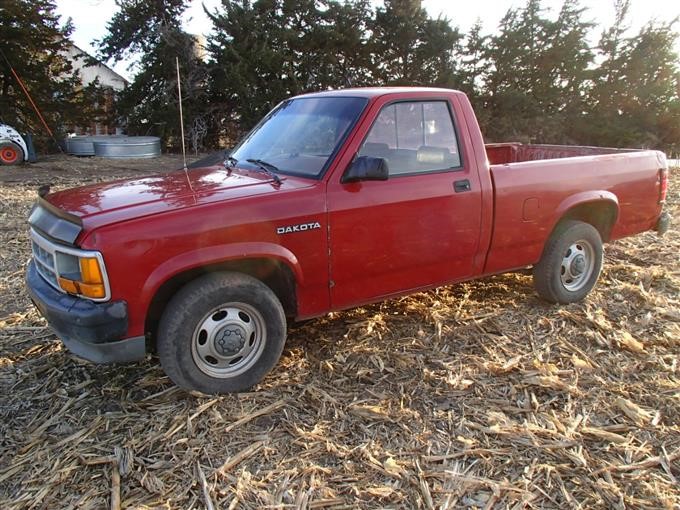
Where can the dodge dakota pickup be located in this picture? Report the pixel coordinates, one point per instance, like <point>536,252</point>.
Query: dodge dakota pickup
<point>334,200</point>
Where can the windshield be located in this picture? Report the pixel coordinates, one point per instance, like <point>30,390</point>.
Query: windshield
<point>300,135</point>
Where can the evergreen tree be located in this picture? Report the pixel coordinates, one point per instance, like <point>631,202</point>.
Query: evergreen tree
<point>474,61</point>
<point>473,72</point>
<point>607,76</point>
<point>328,40</point>
<point>137,26</point>
<point>410,48</point>
<point>513,82</point>
<point>35,45</point>
<point>347,52</point>
<point>539,66</point>
<point>536,79</point>
<point>569,59</point>
<point>267,50</point>
<point>150,105</point>
<point>635,98</point>
<point>252,68</point>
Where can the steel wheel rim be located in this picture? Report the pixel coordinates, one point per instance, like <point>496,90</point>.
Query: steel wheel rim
<point>578,265</point>
<point>228,340</point>
<point>9,155</point>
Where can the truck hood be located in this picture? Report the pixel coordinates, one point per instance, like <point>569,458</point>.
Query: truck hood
<point>104,203</point>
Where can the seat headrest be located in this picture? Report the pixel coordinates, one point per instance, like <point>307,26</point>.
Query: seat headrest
<point>375,148</point>
<point>428,154</point>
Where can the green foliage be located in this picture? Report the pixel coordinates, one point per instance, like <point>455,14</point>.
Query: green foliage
<point>268,50</point>
<point>410,48</point>
<point>536,79</point>
<point>35,46</point>
<point>539,68</point>
<point>137,26</point>
<point>635,97</point>
<point>150,105</point>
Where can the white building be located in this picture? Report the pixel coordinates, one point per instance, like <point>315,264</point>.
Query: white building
<point>108,78</point>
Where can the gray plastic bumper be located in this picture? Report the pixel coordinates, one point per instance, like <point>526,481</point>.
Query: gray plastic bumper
<point>90,330</point>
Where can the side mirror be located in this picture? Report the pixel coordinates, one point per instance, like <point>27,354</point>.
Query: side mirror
<point>366,168</point>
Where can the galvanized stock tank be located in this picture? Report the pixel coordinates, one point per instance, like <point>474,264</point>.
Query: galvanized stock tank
<point>114,146</point>
<point>128,147</point>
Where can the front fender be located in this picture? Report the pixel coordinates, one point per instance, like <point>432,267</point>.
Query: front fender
<point>215,255</point>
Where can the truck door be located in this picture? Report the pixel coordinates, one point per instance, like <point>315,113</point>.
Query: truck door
<point>421,226</point>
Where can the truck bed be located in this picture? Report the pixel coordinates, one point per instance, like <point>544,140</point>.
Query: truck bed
<point>534,185</point>
<point>515,152</point>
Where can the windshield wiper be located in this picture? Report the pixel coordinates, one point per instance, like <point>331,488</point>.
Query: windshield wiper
<point>266,168</point>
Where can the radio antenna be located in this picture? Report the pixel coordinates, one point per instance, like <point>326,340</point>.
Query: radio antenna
<point>181,115</point>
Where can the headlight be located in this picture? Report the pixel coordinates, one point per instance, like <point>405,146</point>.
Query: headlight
<point>69,269</point>
<point>81,275</point>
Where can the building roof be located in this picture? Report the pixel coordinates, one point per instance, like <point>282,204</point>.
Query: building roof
<point>81,60</point>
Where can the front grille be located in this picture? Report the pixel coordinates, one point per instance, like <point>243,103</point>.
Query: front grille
<point>44,258</point>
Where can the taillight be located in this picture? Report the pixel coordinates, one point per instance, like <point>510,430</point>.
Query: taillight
<point>663,185</point>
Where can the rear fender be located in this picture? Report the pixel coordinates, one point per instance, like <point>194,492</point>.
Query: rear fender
<point>579,200</point>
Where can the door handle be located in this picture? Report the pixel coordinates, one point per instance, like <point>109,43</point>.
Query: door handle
<point>461,186</point>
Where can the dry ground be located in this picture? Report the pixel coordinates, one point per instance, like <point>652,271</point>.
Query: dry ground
<point>477,395</point>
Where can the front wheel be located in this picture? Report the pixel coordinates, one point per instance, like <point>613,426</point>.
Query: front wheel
<point>570,264</point>
<point>221,333</point>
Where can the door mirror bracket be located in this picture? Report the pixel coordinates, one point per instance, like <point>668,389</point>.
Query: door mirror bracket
<point>366,168</point>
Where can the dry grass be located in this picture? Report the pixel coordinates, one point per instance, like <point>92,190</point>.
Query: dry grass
<point>477,395</point>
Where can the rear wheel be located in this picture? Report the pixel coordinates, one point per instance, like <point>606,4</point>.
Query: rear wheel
<point>221,333</point>
<point>570,264</point>
<point>10,153</point>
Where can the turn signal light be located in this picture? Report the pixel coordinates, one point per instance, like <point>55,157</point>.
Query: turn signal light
<point>91,290</point>
<point>90,271</point>
<point>69,285</point>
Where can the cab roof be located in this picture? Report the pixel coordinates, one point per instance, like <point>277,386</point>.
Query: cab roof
<point>372,92</point>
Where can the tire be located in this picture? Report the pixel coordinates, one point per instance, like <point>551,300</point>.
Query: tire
<point>10,153</point>
<point>570,264</point>
<point>221,333</point>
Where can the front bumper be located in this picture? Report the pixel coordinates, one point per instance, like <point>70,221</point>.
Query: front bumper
<point>90,330</point>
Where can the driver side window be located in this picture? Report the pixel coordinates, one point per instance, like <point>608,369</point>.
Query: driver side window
<point>414,137</point>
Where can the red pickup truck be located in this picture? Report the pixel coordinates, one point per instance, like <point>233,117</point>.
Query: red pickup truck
<point>334,200</point>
